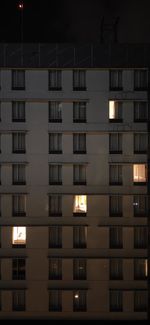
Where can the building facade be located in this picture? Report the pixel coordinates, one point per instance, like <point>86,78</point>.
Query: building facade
<point>74,182</point>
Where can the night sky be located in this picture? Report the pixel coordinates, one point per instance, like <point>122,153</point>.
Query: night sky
<point>74,20</point>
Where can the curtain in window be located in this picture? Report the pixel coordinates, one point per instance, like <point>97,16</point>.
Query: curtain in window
<point>79,79</point>
<point>116,269</point>
<point>55,268</point>
<point>55,142</point>
<point>140,269</point>
<point>140,111</point>
<point>55,174</point>
<point>55,111</point>
<point>79,269</point>
<point>140,142</point>
<point>18,142</point>
<point>55,300</point>
<point>79,236</point>
<point>116,174</point>
<point>116,237</point>
<point>115,142</point>
<point>140,79</point>
<point>80,204</point>
<point>79,174</point>
<point>55,236</point>
<point>116,205</point>
<point>140,205</point>
<point>79,111</point>
<point>18,79</point>
<point>115,79</point>
<point>19,204</point>
<point>18,267</point>
<point>19,300</point>
<point>140,237</point>
<point>55,205</point>
<point>79,300</point>
<point>116,300</point>
<point>18,111</point>
<point>19,174</point>
<point>141,300</point>
<point>55,79</point>
<point>79,142</point>
<point>139,173</point>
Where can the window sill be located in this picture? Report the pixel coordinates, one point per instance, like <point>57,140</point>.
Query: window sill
<point>144,152</point>
<point>140,183</point>
<point>55,152</point>
<point>115,88</point>
<point>23,214</point>
<point>55,121</point>
<point>115,120</point>
<point>116,184</point>
<point>117,215</point>
<point>140,88</point>
<point>19,183</point>
<point>18,121</point>
<point>55,215</point>
<point>79,183</point>
<point>55,88</point>
<point>79,214</point>
<point>115,152</point>
<point>18,88</point>
<point>79,88</point>
<point>19,152</point>
<point>80,152</point>
<point>55,183</point>
<point>79,121</point>
<point>140,120</point>
<point>18,246</point>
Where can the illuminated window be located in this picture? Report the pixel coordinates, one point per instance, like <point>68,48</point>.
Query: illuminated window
<point>140,269</point>
<point>19,236</point>
<point>139,173</point>
<point>115,111</point>
<point>79,300</point>
<point>80,204</point>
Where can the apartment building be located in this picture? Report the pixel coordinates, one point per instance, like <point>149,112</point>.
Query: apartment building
<point>74,182</point>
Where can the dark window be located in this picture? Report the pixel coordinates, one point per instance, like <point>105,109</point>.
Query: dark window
<point>55,237</point>
<point>55,112</point>
<point>116,300</point>
<point>55,174</point>
<point>79,80</point>
<point>18,300</point>
<point>18,175</point>
<point>55,80</point>
<point>79,236</point>
<point>55,143</point>
<point>0,111</point>
<point>0,206</point>
<point>140,143</point>
<point>18,111</point>
<point>116,269</point>
<point>55,269</point>
<point>18,268</point>
<point>140,205</point>
<point>18,79</point>
<point>140,237</point>
<point>140,269</point>
<point>79,174</point>
<point>79,112</point>
<point>115,175</point>
<point>141,300</point>
<point>19,205</point>
<point>140,79</point>
<point>55,205</point>
<point>115,206</point>
<point>115,237</point>
<point>18,142</point>
<point>140,111</point>
<point>79,143</point>
<point>55,300</point>
<point>79,269</point>
<point>79,300</point>
<point>115,143</point>
<point>116,80</point>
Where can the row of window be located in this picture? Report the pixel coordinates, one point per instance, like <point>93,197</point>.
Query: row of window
<point>80,237</point>
<point>139,203</point>
<point>140,141</point>
<point>80,111</point>
<point>79,300</point>
<point>79,79</point>
<point>79,174</point>
<point>79,268</point>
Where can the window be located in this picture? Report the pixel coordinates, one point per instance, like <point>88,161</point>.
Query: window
<point>19,205</point>
<point>115,143</point>
<point>140,269</point>
<point>140,79</point>
<point>79,143</point>
<point>79,80</point>
<point>18,268</point>
<point>79,174</point>
<point>0,143</point>
<point>55,237</point>
<point>115,175</point>
<point>0,111</point>
<point>55,300</point>
<point>55,205</point>
<point>55,269</point>
<point>55,143</point>
<point>0,205</point>
<point>18,79</point>
<point>139,174</point>
<point>18,142</point>
<point>116,300</point>
<point>55,174</point>
<point>140,205</point>
<point>115,237</point>
<point>55,112</point>
<point>79,269</point>
<point>115,206</point>
<point>0,301</point>
<point>140,143</point>
<point>18,111</point>
<point>80,205</point>
<point>18,300</point>
<point>19,236</point>
<point>55,80</point>
<point>0,174</point>
<point>116,269</point>
<point>140,237</point>
<point>116,80</point>
<point>141,300</point>
<point>79,236</point>
<point>140,111</point>
<point>115,111</point>
<point>79,300</point>
<point>18,174</point>
<point>79,112</point>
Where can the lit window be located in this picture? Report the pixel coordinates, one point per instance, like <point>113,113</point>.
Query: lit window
<point>80,204</point>
<point>146,267</point>
<point>139,173</point>
<point>19,236</point>
<point>115,110</point>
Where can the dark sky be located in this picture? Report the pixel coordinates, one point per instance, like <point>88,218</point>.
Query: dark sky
<point>74,20</point>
